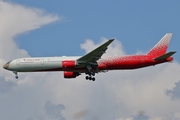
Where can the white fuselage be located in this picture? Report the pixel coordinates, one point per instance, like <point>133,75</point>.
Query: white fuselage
<point>38,64</point>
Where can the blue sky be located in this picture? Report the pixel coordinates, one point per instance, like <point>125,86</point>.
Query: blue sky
<point>137,24</point>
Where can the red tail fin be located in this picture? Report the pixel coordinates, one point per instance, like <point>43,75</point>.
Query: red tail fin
<point>161,47</point>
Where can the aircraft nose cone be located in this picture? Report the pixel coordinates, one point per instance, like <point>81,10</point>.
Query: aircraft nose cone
<point>5,66</point>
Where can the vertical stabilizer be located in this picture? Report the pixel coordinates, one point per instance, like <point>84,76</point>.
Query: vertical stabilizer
<point>161,47</point>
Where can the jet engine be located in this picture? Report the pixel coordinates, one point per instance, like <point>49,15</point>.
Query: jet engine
<point>68,64</point>
<point>68,74</point>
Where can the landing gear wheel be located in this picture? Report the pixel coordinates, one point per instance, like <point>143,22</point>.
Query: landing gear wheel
<point>90,75</point>
<point>87,78</point>
<point>16,75</point>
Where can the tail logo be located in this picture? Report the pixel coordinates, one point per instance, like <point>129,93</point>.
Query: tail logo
<point>161,47</point>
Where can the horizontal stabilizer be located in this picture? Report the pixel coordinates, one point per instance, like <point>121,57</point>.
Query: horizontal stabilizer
<point>165,56</point>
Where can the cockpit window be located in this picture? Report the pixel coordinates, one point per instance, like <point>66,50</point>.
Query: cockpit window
<point>6,66</point>
<point>8,62</point>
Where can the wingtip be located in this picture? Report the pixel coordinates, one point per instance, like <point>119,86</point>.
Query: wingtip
<point>111,39</point>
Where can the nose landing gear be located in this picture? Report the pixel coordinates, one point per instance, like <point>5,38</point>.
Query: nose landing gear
<point>16,74</point>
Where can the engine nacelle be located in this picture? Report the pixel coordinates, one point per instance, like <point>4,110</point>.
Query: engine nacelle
<point>68,74</point>
<point>68,64</point>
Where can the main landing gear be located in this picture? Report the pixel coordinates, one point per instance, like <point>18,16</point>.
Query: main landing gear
<point>90,76</point>
<point>16,75</point>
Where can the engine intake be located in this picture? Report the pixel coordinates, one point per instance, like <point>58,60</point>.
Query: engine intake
<point>68,64</point>
<point>68,74</point>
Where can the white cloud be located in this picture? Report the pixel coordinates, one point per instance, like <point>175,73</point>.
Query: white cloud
<point>175,93</point>
<point>54,111</point>
<point>115,48</point>
<point>142,89</point>
<point>118,95</point>
<point>17,19</point>
<point>19,99</point>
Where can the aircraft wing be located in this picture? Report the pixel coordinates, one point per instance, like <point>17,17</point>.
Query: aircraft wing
<point>92,57</point>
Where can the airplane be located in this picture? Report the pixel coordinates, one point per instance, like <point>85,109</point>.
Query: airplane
<point>92,63</point>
